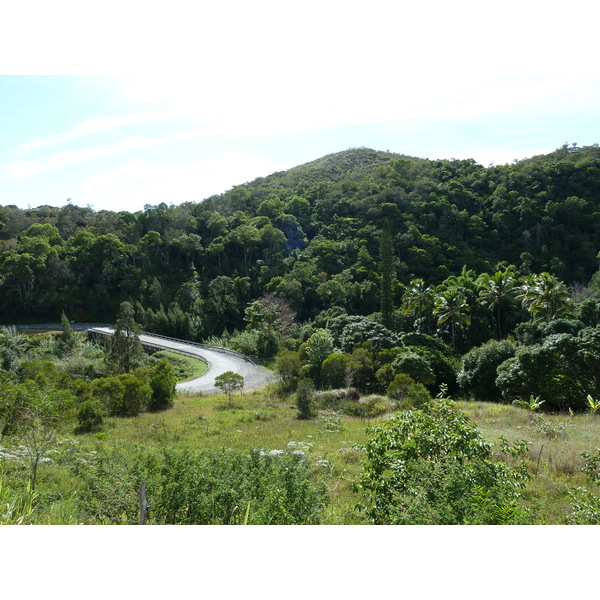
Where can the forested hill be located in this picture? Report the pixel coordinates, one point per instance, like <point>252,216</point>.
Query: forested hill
<point>310,235</point>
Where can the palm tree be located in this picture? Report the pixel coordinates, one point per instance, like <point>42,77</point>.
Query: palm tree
<point>544,296</point>
<point>452,307</point>
<point>417,298</point>
<point>498,292</point>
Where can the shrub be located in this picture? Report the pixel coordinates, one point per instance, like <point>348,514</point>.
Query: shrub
<point>431,466</point>
<point>336,399</point>
<point>288,365</point>
<point>246,342</point>
<point>123,395</point>
<point>90,415</point>
<point>204,488</point>
<point>334,370</point>
<point>444,367</point>
<point>562,370</point>
<point>163,383</point>
<point>374,405</point>
<point>407,393</point>
<point>480,369</point>
<point>304,399</point>
<point>415,366</point>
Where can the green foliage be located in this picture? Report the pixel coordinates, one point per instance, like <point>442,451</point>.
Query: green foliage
<point>335,370</point>
<point>407,393</point>
<point>352,330</point>
<point>586,503</point>
<point>204,488</point>
<point>551,429</point>
<point>125,351</point>
<point>90,415</point>
<point>288,365</point>
<point>544,296</point>
<point>67,339</point>
<point>372,406</point>
<point>319,224</point>
<point>562,370</point>
<point>317,348</point>
<point>480,369</point>
<point>416,366</point>
<point>305,398</point>
<point>229,382</point>
<point>123,395</point>
<point>386,255</point>
<point>593,405</point>
<point>431,466</point>
<point>162,381</point>
<point>452,309</point>
<point>34,415</point>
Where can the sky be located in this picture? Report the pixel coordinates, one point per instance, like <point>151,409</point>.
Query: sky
<point>131,104</point>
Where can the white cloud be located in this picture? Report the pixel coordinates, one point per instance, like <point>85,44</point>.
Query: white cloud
<point>140,182</point>
<point>21,169</point>
<point>97,125</point>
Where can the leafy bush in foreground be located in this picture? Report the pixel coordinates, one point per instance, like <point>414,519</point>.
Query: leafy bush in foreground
<point>431,467</point>
<point>209,488</point>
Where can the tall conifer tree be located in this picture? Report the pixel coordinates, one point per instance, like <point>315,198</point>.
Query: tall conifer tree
<point>386,257</point>
<point>125,350</point>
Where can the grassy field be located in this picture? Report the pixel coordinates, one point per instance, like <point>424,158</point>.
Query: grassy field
<point>260,420</point>
<point>555,446</point>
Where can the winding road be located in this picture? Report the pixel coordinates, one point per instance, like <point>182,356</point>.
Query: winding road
<point>219,360</point>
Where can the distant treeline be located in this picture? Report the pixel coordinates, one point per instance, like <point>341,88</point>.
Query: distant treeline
<point>310,235</point>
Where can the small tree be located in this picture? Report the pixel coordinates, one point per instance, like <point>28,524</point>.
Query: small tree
<point>163,382</point>
<point>125,350</point>
<point>67,339</point>
<point>230,383</point>
<point>36,417</point>
<point>304,399</point>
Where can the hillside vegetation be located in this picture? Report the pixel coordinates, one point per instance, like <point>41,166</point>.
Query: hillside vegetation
<point>376,286</point>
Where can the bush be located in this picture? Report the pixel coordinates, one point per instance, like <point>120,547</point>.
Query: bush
<point>163,383</point>
<point>334,370</point>
<point>563,370</point>
<point>336,399</point>
<point>123,395</point>
<point>431,466</point>
<point>407,393</point>
<point>90,415</point>
<point>246,342</point>
<point>373,406</point>
<point>304,399</point>
<point>288,365</point>
<point>203,488</point>
<point>480,369</point>
<point>415,366</point>
<point>444,367</point>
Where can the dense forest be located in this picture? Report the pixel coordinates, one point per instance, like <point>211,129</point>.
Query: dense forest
<point>361,247</point>
<point>371,283</point>
<point>310,235</point>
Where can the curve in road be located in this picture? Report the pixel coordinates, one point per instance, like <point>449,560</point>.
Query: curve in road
<point>219,361</point>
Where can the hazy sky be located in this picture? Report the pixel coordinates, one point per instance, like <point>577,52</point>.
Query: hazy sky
<point>139,103</point>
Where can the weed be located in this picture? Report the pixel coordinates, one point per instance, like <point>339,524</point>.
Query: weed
<point>549,428</point>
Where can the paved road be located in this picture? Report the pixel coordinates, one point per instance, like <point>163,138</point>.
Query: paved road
<point>218,362</point>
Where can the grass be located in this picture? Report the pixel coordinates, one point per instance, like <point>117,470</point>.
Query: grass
<point>259,419</point>
<point>256,420</point>
<point>555,444</point>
